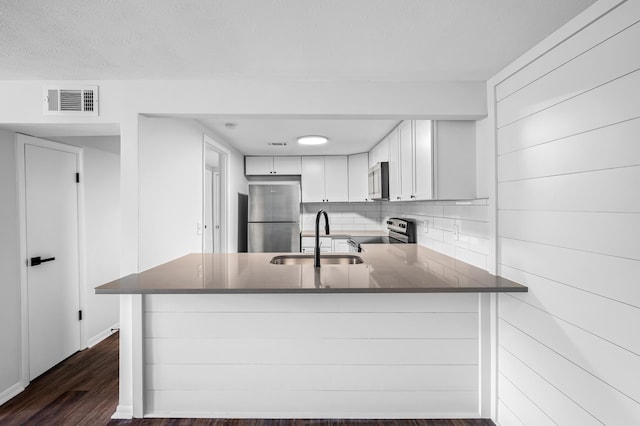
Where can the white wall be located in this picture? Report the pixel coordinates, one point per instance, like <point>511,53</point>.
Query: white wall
<point>170,189</point>
<point>102,208</point>
<point>9,267</point>
<point>568,157</point>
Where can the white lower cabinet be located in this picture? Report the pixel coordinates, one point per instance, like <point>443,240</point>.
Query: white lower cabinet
<point>327,245</point>
<point>340,245</point>
<point>308,245</point>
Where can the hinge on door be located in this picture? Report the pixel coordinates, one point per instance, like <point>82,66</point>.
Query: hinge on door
<point>80,315</point>
<point>77,177</point>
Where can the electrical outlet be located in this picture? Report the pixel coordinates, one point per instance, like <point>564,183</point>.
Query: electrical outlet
<point>426,227</point>
<point>456,233</point>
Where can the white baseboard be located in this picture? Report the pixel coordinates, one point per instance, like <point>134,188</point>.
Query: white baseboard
<point>123,412</point>
<point>9,393</point>
<point>102,335</point>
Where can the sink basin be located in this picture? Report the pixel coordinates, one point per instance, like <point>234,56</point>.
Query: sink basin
<point>325,259</point>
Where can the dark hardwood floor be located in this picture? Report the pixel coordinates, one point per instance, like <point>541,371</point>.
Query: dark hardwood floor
<point>83,390</point>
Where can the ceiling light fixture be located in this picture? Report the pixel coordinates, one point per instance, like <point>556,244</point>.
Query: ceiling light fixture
<point>312,140</point>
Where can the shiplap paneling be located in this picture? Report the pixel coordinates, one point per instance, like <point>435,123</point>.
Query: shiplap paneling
<point>614,234</point>
<point>607,276</point>
<point>311,351</point>
<point>582,346</point>
<point>608,405</point>
<point>579,153</point>
<point>588,192</point>
<point>506,417</point>
<point>612,103</point>
<point>327,356</point>
<point>597,32</point>
<point>568,161</point>
<point>314,303</point>
<point>318,377</point>
<point>599,65</point>
<point>519,403</point>
<point>209,325</point>
<point>548,399</point>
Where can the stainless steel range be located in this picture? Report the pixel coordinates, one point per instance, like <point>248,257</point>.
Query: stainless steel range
<point>401,231</point>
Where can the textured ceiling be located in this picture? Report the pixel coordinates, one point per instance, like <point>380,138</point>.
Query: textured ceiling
<point>273,39</point>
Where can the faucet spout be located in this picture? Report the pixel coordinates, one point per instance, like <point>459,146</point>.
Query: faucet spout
<point>316,256</point>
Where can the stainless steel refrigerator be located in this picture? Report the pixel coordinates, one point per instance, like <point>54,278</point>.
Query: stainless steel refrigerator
<point>274,218</point>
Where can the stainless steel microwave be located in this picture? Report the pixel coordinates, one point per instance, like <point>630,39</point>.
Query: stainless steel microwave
<point>379,181</point>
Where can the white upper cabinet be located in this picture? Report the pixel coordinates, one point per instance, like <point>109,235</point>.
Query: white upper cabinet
<point>406,141</point>
<point>358,177</point>
<point>380,152</point>
<point>336,175</point>
<point>423,154</point>
<point>432,160</point>
<point>455,160</point>
<point>325,179</point>
<point>272,165</point>
<point>394,166</point>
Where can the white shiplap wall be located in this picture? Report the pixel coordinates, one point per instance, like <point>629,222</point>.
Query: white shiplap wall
<point>568,172</point>
<point>312,355</point>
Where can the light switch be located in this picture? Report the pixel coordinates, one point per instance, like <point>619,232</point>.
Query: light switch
<point>198,228</point>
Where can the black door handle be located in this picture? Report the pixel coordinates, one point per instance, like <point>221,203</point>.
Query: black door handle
<point>35,261</point>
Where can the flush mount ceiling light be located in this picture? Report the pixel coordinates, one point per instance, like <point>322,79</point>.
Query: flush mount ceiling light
<point>312,140</point>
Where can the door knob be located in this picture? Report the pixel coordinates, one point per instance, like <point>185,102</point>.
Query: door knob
<point>35,261</point>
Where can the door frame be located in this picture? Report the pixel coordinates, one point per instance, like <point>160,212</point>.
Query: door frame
<point>21,141</point>
<point>225,202</point>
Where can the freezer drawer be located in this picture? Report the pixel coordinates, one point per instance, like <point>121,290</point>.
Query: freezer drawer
<point>271,237</point>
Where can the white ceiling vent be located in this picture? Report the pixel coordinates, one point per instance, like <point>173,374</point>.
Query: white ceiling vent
<point>280,144</point>
<point>71,100</point>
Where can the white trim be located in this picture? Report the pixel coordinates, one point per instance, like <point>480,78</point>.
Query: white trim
<point>225,192</point>
<point>10,392</point>
<point>123,412</point>
<point>21,141</point>
<point>94,340</point>
<point>311,415</point>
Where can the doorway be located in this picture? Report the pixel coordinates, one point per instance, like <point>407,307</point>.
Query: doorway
<point>50,197</point>
<point>215,202</point>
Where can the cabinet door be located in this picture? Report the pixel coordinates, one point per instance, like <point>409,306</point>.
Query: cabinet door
<point>258,165</point>
<point>340,245</point>
<point>286,165</point>
<point>405,137</point>
<point>455,160</point>
<point>423,144</point>
<point>312,180</point>
<point>336,175</point>
<point>394,167</point>
<point>358,177</point>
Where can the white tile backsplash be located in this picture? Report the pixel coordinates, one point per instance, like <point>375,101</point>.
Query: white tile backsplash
<point>472,218</point>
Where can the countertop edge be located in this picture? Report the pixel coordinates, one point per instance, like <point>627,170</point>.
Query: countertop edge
<point>316,291</point>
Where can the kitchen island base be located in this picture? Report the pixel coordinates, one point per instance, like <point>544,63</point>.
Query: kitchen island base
<point>395,355</point>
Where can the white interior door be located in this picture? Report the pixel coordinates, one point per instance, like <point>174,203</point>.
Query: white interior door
<point>208,211</point>
<point>216,212</point>
<point>51,203</point>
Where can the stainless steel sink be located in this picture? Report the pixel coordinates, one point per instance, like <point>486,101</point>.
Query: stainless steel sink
<point>325,259</point>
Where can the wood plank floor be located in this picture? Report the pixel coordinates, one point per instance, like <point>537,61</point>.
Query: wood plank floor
<point>83,390</point>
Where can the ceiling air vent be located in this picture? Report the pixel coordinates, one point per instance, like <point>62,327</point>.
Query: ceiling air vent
<point>277,144</point>
<point>71,100</point>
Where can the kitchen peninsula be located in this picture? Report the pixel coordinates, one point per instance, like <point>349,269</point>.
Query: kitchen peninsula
<point>404,334</point>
